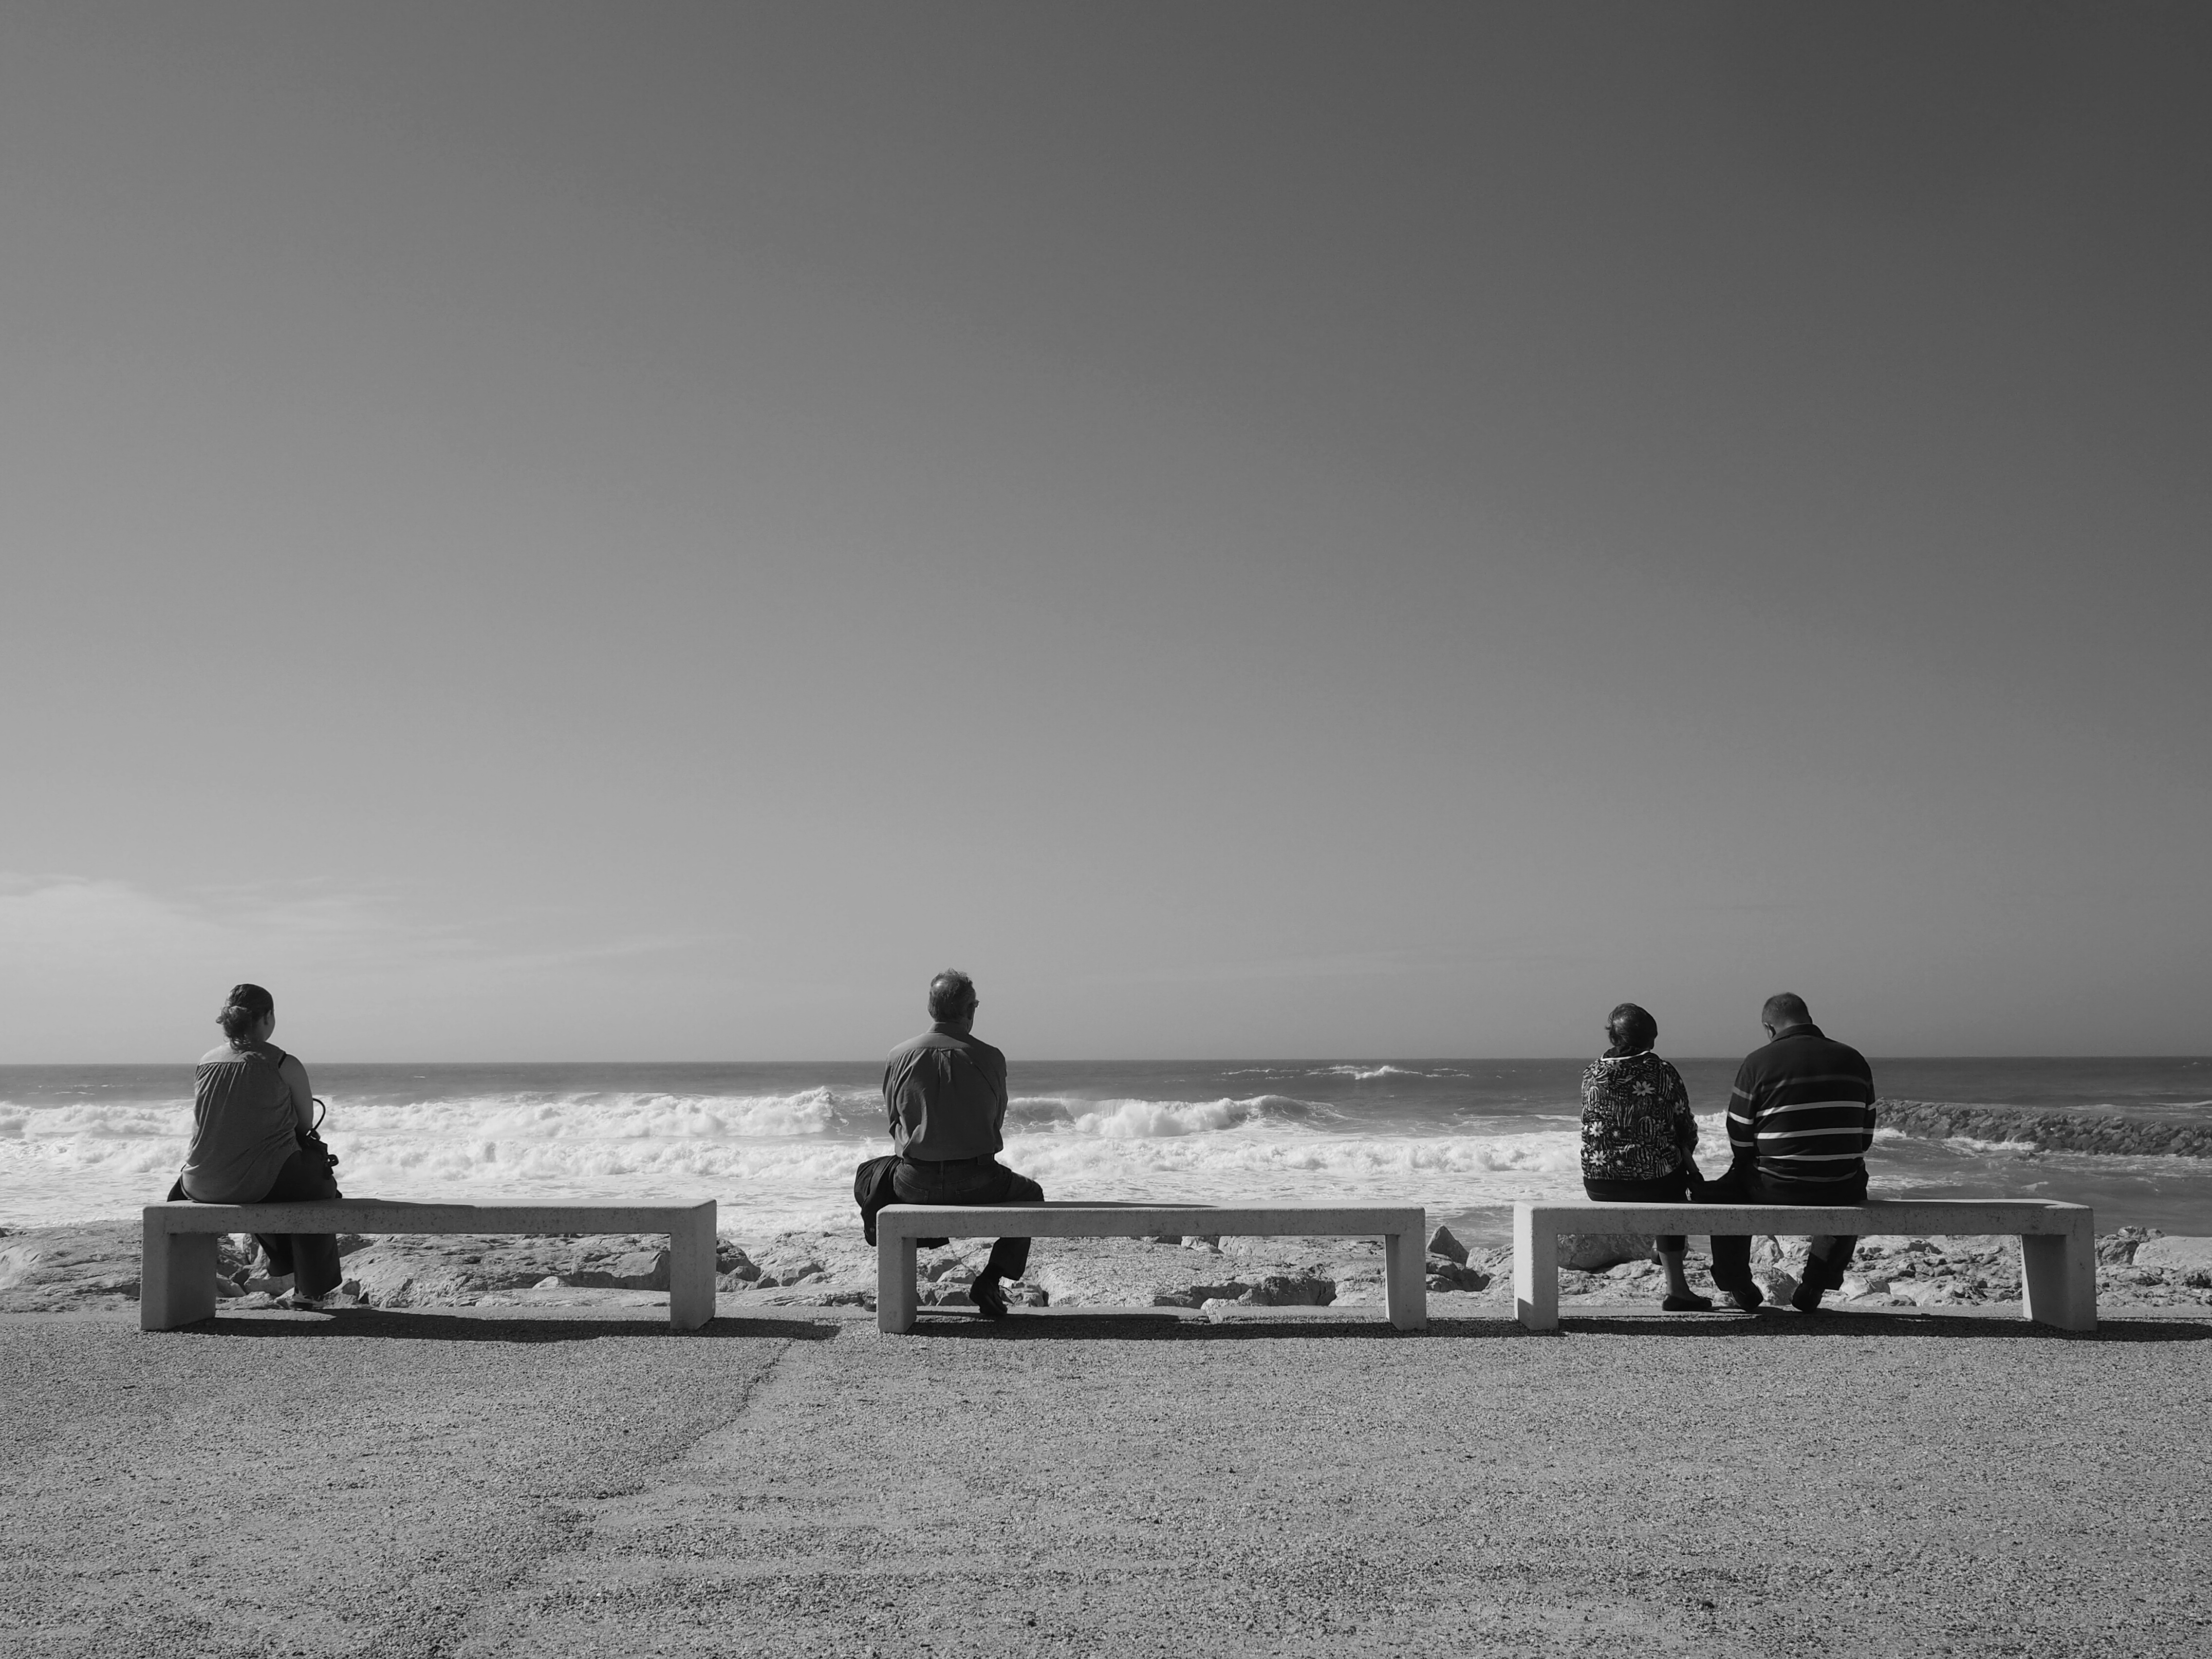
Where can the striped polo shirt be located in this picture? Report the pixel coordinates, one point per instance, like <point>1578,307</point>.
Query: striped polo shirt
<point>1804,1109</point>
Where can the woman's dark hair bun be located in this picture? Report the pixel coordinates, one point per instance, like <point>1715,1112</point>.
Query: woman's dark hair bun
<point>246,1007</point>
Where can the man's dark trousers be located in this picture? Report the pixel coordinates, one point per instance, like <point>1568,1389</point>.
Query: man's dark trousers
<point>972,1181</point>
<point>1744,1183</point>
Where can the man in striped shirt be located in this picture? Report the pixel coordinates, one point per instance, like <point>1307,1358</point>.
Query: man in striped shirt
<point>1799,1121</point>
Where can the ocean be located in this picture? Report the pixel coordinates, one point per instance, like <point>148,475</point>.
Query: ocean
<point>776,1144</point>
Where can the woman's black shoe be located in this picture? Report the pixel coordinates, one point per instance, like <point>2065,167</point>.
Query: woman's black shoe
<point>1688,1301</point>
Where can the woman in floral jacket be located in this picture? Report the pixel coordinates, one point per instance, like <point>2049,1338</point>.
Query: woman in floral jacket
<point>1637,1133</point>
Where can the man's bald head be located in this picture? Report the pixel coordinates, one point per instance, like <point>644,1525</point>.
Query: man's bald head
<point>951,997</point>
<point>1783,1009</point>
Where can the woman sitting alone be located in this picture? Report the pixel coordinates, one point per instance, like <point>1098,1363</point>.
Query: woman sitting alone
<point>1637,1134</point>
<point>251,1105</point>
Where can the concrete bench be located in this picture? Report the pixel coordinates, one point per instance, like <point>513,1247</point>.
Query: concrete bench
<point>1403,1232</point>
<point>2058,1242</point>
<point>177,1272</point>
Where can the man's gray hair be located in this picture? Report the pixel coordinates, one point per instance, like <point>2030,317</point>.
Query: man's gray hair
<point>952,994</point>
<point>1785,1009</point>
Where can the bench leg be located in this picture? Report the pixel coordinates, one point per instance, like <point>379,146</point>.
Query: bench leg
<point>691,1270</point>
<point>1406,1280</point>
<point>896,1303</point>
<point>2058,1278</point>
<point>176,1278</point>
<point>1535,1270</point>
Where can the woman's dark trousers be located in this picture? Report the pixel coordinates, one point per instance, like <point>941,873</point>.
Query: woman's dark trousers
<point>1660,1189</point>
<point>972,1181</point>
<point>1744,1184</point>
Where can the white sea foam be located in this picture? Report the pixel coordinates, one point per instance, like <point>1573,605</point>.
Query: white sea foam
<point>779,1161</point>
<point>788,1160</point>
<point>2006,1148</point>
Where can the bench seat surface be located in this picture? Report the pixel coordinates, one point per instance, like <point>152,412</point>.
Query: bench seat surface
<point>1876,1218</point>
<point>386,1215</point>
<point>1052,1219</point>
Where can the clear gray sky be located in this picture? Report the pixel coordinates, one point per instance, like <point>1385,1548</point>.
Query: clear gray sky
<point>644,531</point>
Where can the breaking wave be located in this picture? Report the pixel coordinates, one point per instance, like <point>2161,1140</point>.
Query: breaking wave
<point>783,1157</point>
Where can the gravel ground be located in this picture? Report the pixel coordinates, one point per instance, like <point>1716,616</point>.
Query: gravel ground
<point>545,1482</point>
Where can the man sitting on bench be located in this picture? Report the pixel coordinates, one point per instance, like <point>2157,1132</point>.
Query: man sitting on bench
<point>1799,1122</point>
<point>945,1092</point>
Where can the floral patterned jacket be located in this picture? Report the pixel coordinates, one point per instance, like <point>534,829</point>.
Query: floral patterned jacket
<point>1635,1119</point>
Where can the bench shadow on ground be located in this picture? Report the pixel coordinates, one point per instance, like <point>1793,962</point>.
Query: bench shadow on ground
<point>1129,1325</point>
<point>460,1325</point>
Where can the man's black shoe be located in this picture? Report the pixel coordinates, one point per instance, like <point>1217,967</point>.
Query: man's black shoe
<point>1806,1298</point>
<point>990,1300</point>
<point>1746,1295</point>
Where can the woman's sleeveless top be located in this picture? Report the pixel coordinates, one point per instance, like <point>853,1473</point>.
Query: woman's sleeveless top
<point>243,1125</point>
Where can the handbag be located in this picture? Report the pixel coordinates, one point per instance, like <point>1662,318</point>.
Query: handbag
<point>311,1139</point>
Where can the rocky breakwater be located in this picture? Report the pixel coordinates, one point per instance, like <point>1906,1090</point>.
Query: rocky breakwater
<point>2051,1132</point>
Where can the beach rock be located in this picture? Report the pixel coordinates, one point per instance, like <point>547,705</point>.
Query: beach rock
<point>46,1269</point>
<point>1441,1242</point>
<point>1590,1253</point>
<point>737,1281</point>
<point>732,1263</point>
<point>551,1282</point>
<point>1291,1291</point>
<point>1199,1295</point>
<point>2117,1249</point>
<point>1025,1296</point>
<point>1866,1284</point>
<point>946,1269</point>
<point>226,1289</point>
<point>1202,1242</point>
<point>1445,1275</point>
<point>642,1270</point>
<point>946,1295</point>
<point>797,1274</point>
<point>1765,1251</point>
<point>1778,1286</point>
<point>2185,1253</point>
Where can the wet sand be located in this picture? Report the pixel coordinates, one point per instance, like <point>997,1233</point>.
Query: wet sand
<point>540,1482</point>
